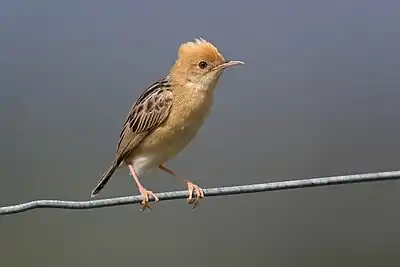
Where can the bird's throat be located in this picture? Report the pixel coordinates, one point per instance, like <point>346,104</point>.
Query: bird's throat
<point>197,86</point>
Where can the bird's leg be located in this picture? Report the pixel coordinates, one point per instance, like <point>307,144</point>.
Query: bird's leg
<point>143,191</point>
<point>191,187</point>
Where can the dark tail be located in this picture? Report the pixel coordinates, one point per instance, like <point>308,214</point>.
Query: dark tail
<point>105,178</point>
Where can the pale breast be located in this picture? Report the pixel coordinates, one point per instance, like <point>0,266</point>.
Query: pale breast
<point>186,117</point>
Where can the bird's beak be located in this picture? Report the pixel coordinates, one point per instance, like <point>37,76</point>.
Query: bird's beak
<point>227,64</point>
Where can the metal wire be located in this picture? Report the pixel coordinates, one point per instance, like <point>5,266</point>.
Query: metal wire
<point>221,191</point>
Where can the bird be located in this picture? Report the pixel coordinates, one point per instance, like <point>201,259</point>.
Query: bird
<point>167,116</point>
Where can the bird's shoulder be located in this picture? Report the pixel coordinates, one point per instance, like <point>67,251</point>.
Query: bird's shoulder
<point>150,110</point>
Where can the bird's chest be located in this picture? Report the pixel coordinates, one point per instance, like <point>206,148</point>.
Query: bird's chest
<point>185,131</point>
<point>188,119</point>
<point>185,120</point>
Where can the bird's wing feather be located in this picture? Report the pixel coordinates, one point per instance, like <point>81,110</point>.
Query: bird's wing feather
<point>149,111</point>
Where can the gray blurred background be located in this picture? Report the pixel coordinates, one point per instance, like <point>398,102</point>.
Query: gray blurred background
<point>318,96</point>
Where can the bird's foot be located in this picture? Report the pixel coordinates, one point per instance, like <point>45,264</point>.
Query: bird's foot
<point>199,194</point>
<point>145,196</point>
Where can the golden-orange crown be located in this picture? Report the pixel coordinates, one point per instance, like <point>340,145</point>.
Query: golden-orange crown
<point>199,49</point>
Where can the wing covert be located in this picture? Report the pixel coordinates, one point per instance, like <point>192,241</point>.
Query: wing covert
<point>149,111</point>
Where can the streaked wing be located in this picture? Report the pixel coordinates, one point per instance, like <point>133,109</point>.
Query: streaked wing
<point>149,111</point>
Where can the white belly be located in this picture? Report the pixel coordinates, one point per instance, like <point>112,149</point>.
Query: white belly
<point>173,145</point>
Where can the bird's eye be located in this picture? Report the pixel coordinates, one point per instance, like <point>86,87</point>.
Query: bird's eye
<point>202,64</point>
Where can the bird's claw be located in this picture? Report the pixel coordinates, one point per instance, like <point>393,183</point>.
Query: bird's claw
<point>193,188</point>
<point>145,196</point>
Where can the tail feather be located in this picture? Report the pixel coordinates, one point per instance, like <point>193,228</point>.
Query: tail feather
<point>105,178</point>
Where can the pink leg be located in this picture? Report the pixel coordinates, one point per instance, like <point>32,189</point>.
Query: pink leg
<point>191,187</point>
<point>143,191</point>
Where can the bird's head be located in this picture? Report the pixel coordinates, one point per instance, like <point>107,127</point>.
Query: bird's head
<point>199,65</point>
